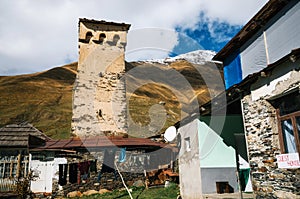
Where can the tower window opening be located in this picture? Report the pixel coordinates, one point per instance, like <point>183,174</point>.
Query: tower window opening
<point>102,37</point>
<point>88,36</point>
<point>116,38</point>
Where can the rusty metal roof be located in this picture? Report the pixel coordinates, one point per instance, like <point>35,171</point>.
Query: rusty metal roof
<point>101,141</point>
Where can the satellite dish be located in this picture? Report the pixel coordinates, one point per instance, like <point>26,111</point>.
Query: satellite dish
<point>170,133</point>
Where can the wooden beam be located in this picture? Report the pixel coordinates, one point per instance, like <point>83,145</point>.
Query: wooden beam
<point>19,166</point>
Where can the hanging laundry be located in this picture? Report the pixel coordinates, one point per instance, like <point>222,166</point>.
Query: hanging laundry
<point>73,170</point>
<point>63,170</point>
<point>93,166</point>
<point>122,156</point>
<point>84,169</point>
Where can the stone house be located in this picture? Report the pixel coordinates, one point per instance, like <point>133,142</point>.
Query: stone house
<point>25,149</point>
<point>261,72</point>
<point>133,157</point>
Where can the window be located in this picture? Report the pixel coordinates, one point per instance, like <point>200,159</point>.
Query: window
<point>88,37</point>
<point>9,166</point>
<point>288,114</point>
<point>101,38</point>
<point>116,38</point>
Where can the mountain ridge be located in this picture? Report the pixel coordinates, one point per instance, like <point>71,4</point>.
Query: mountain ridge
<point>45,98</point>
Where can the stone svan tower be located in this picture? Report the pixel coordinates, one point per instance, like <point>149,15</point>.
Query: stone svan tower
<point>99,96</point>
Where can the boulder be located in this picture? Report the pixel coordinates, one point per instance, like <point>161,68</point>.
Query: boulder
<point>90,192</point>
<point>138,183</point>
<point>102,191</point>
<point>74,194</point>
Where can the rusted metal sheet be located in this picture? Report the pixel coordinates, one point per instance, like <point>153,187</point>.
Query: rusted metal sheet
<point>101,141</point>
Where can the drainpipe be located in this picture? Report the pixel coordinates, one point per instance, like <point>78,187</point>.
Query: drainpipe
<point>238,174</point>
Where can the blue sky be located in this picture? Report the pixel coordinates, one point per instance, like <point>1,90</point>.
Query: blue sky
<point>202,35</point>
<point>39,35</point>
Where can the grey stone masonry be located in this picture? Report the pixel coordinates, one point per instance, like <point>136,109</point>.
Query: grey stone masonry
<point>268,180</point>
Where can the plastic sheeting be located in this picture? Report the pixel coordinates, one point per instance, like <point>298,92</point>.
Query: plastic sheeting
<point>122,156</point>
<point>233,71</point>
<point>254,57</point>
<point>284,35</point>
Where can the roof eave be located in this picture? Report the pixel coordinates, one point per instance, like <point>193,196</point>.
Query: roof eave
<point>238,88</point>
<point>93,21</point>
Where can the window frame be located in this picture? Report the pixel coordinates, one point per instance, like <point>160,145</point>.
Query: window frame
<point>292,117</point>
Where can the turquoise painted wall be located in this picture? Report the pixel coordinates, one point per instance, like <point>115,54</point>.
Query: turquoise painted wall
<point>212,150</point>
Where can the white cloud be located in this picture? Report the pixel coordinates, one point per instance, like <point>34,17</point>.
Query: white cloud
<point>235,12</point>
<point>37,35</point>
<point>150,42</point>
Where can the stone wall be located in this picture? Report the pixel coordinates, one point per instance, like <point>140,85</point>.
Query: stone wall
<point>263,146</point>
<point>132,171</point>
<point>138,161</point>
<point>261,128</point>
<point>108,182</point>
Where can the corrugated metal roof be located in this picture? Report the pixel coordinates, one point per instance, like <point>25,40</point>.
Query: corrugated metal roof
<point>17,135</point>
<point>101,141</point>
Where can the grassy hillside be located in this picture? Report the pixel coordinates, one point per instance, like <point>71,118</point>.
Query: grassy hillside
<point>153,93</point>
<point>45,99</point>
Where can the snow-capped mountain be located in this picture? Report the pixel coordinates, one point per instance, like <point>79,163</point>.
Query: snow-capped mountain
<point>195,57</point>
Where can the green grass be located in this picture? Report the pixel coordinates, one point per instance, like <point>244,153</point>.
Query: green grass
<point>141,193</point>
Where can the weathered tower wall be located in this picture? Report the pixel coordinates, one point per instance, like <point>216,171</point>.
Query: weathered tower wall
<point>99,97</point>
